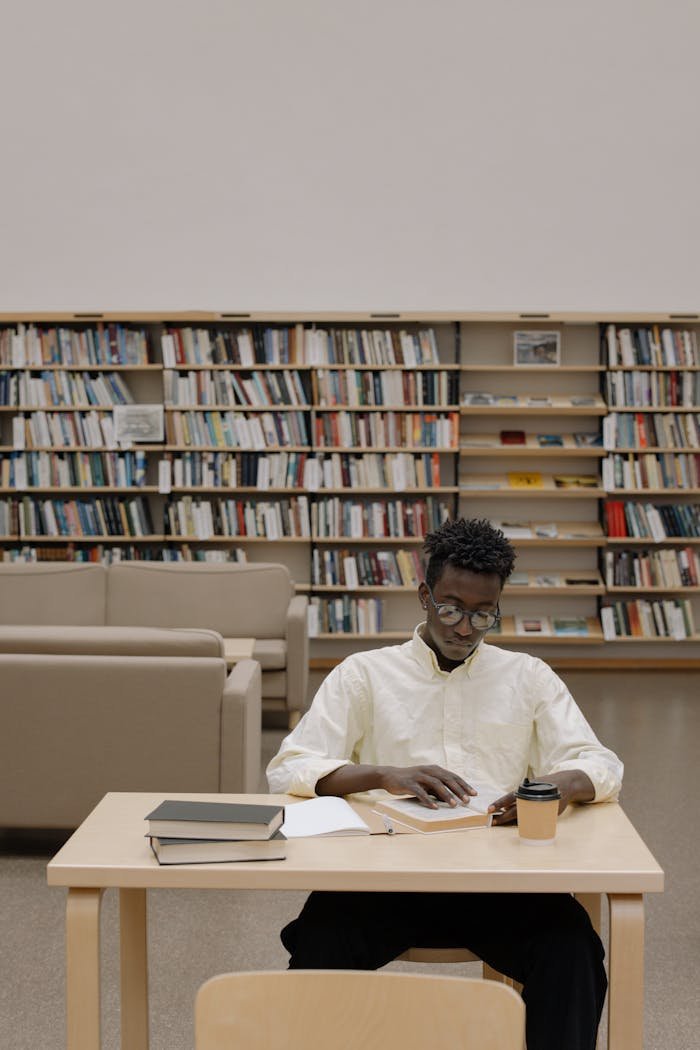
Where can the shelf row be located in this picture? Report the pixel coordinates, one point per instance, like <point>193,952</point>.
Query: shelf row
<point>389,339</point>
<point>263,366</point>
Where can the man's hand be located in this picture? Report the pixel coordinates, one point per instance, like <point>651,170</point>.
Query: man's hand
<point>427,783</point>
<point>574,786</point>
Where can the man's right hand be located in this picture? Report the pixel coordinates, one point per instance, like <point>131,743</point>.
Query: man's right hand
<point>427,783</point>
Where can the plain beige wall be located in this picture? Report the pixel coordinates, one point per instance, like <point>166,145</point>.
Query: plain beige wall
<point>373,154</point>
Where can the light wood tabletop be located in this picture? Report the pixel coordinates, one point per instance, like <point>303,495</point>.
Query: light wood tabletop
<point>597,851</point>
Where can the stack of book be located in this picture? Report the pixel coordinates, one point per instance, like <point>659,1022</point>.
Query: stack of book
<point>188,832</point>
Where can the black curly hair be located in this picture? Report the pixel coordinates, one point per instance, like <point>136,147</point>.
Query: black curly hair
<point>467,543</point>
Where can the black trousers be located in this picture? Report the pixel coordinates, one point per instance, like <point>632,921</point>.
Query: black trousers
<point>543,941</point>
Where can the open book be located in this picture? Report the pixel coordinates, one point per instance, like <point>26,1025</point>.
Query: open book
<point>327,815</point>
<point>411,812</point>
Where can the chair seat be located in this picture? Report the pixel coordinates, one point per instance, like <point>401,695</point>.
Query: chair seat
<point>457,955</point>
<point>271,653</point>
<point>439,955</point>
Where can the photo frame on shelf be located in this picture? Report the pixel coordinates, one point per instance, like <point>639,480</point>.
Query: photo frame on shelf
<point>535,347</point>
<point>139,423</point>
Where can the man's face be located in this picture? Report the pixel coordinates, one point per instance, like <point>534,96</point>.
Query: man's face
<point>471,591</point>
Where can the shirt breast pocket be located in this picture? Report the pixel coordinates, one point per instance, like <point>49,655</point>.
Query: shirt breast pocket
<point>503,752</point>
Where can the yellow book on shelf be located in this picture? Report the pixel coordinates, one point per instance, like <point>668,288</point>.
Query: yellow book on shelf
<point>218,431</point>
<point>532,480</point>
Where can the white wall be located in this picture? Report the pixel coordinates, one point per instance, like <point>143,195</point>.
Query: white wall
<point>364,154</point>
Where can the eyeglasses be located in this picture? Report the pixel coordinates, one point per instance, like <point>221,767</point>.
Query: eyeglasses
<point>451,615</point>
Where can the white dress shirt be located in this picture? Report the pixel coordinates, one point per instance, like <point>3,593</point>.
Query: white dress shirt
<point>498,717</point>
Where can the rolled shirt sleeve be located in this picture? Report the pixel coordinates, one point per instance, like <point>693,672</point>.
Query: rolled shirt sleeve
<point>564,740</point>
<point>325,739</point>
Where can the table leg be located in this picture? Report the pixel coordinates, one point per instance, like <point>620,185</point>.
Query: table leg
<point>626,972</point>
<point>134,969</point>
<point>83,969</point>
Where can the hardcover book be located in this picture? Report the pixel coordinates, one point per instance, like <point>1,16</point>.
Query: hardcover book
<point>519,579</point>
<point>576,626</point>
<point>514,530</point>
<point>214,820</point>
<point>532,480</point>
<point>575,481</point>
<point>217,851</point>
<point>512,437</point>
<point>539,402</point>
<point>410,812</point>
<point>588,440</point>
<point>547,580</point>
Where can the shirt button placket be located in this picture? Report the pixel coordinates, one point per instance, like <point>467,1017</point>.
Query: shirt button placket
<point>452,723</point>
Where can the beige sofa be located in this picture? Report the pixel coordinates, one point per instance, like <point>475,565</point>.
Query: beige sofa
<point>73,727</point>
<point>249,600</point>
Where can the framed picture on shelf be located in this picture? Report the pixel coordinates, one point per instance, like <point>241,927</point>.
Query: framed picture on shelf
<point>139,423</point>
<point>532,347</point>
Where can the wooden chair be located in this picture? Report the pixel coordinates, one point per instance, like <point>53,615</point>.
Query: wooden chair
<point>358,1010</point>
<point>590,901</point>
<point>456,955</point>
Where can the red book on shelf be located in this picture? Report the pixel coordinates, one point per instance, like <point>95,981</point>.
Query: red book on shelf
<point>436,469</point>
<point>615,518</point>
<point>454,429</point>
<point>634,619</point>
<point>621,519</point>
<point>240,514</point>
<point>673,388</point>
<point>512,437</point>
<point>640,426</point>
<point>180,355</point>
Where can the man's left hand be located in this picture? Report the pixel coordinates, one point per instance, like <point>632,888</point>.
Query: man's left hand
<point>574,786</point>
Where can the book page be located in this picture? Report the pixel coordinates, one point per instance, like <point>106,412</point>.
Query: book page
<point>322,816</point>
<point>478,804</point>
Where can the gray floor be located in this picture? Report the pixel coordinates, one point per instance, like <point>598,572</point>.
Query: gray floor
<point>651,719</point>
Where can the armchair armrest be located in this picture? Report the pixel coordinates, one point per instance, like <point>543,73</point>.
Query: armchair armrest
<point>240,728</point>
<point>297,653</point>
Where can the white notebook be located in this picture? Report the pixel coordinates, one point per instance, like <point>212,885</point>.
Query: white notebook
<point>327,815</point>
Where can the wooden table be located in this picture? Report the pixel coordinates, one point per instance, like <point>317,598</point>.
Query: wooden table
<point>597,851</point>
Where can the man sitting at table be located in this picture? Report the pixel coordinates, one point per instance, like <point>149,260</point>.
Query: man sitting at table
<point>433,718</point>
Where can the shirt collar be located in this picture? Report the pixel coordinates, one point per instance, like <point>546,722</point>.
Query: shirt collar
<point>426,656</point>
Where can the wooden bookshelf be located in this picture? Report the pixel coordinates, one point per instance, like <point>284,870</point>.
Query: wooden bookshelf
<point>472,353</point>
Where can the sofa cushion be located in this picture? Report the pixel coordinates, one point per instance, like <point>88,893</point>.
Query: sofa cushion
<point>109,641</point>
<point>271,653</point>
<point>237,600</point>
<point>52,593</point>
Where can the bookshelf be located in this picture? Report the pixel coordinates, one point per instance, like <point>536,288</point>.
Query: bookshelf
<point>652,475</point>
<point>333,442</point>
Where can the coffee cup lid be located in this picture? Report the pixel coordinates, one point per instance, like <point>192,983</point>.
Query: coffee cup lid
<point>537,790</point>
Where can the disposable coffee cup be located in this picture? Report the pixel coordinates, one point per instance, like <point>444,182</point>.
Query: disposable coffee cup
<point>537,803</point>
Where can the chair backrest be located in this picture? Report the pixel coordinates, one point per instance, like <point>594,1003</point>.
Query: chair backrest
<point>358,1010</point>
<point>248,600</point>
<point>51,593</point>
